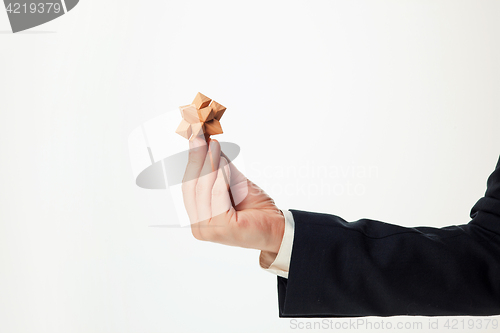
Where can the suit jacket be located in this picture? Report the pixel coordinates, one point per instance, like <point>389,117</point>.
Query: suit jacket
<point>371,268</point>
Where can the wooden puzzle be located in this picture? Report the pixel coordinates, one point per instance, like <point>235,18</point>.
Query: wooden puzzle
<point>200,117</point>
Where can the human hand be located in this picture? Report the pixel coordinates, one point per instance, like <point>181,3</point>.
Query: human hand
<point>211,183</point>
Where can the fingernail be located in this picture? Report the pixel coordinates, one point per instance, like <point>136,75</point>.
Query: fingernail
<point>225,164</point>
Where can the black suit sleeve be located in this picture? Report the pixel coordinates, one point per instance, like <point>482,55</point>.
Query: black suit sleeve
<point>371,268</point>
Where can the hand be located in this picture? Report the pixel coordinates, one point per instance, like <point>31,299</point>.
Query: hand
<point>211,183</point>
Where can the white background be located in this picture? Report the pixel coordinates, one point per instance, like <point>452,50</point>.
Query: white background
<point>407,88</point>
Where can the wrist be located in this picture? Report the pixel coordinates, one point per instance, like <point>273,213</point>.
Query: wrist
<point>277,232</point>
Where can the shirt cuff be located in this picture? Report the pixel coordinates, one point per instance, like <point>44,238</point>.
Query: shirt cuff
<point>279,264</point>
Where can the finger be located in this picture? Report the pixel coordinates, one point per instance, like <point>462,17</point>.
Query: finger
<point>197,153</point>
<point>221,202</point>
<point>206,182</point>
<point>196,159</point>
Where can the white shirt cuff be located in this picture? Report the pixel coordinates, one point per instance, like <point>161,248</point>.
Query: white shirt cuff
<point>281,262</point>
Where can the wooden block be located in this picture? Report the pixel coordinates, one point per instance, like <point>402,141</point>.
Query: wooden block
<point>184,129</point>
<point>213,127</point>
<point>183,107</point>
<point>201,101</point>
<point>196,129</point>
<point>190,114</point>
<point>217,109</point>
<point>205,114</point>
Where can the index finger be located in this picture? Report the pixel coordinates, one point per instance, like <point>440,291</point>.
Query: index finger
<point>197,155</point>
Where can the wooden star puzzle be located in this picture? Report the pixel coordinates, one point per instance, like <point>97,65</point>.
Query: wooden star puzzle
<point>200,117</point>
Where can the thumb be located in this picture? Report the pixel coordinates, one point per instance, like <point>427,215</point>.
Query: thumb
<point>238,183</point>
